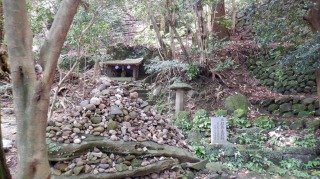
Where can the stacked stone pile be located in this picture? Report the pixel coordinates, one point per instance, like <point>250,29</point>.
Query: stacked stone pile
<point>115,134</point>
<point>116,113</point>
<point>97,162</point>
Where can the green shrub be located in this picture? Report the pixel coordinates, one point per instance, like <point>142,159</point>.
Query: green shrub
<point>192,70</point>
<point>201,119</point>
<point>183,120</point>
<point>241,122</point>
<point>264,122</point>
<point>220,113</point>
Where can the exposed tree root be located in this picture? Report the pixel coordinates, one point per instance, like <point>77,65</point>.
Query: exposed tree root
<point>152,168</point>
<point>152,149</point>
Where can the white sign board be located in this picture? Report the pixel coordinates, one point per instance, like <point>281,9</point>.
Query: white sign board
<point>218,130</point>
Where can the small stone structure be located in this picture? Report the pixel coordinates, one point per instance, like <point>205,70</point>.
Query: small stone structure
<point>127,69</point>
<point>180,87</point>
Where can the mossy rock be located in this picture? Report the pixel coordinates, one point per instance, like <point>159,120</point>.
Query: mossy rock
<point>235,102</point>
<point>297,125</point>
<point>298,108</point>
<point>239,113</point>
<point>273,107</point>
<point>313,124</point>
<point>288,114</point>
<point>303,114</point>
<point>285,107</point>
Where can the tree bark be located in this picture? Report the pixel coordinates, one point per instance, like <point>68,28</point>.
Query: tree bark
<point>219,12</point>
<point>31,94</point>
<point>313,18</point>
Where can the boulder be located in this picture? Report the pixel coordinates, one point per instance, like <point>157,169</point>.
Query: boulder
<point>235,102</point>
<point>298,108</point>
<point>285,107</point>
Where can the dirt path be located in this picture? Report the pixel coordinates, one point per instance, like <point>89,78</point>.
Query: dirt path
<point>9,130</point>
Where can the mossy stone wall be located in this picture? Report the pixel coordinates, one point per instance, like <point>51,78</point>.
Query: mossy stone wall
<point>285,80</point>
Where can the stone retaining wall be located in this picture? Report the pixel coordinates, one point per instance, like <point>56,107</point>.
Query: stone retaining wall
<point>291,107</point>
<point>285,81</point>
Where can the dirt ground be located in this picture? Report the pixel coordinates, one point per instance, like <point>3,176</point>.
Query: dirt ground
<point>9,130</point>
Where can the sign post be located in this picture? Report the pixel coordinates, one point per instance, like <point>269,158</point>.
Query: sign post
<point>218,130</point>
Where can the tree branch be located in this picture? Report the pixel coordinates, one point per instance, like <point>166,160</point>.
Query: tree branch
<point>50,51</point>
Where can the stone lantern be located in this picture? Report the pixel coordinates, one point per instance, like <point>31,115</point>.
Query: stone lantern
<point>180,88</point>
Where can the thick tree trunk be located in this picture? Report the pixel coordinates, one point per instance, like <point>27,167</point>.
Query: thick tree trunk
<point>31,93</point>
<point>313,18</point>
<point>219,12</point>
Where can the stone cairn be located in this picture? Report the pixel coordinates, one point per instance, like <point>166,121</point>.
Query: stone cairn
<point>115,134</point>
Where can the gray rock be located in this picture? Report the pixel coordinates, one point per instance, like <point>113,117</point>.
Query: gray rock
<point>77,170</point>
<point>98,129</point>
<point>115,110</point>
<point>157,90</point>
<point>134,95</point>
<point>133,114</point>
<point>77,141</point>
<point>84,103</point>
<point>121,167</point>
<point>96,119</point>
<point>91,107</point>
<point>112,125</point>
<point>308,101</point>
<point>61,166</point>
<point>95,101</point>
<point>55,172</point>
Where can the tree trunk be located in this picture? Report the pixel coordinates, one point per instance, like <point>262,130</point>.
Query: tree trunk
<point>318,83</point>
<point>219,12</point>
<point>202,32</point>
<point>313,18</point>
<point>234,15</point>
<point>31,94</point>
<point>156,29</point>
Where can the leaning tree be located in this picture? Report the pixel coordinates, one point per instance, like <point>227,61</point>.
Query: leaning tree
<point>30,90</point>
